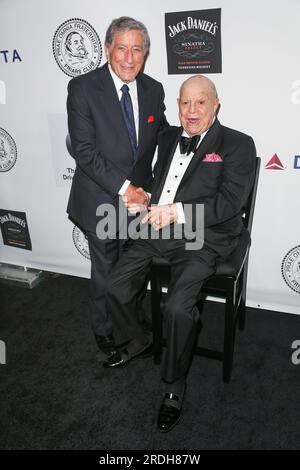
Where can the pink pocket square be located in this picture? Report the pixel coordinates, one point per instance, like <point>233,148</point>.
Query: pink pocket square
<point>212,157</point>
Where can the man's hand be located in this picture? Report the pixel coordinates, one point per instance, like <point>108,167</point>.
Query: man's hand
<point>134,195</point>
<point>161,216</point>
<point>135,199</point>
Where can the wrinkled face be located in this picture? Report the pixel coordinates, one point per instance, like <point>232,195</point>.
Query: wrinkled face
<point>197,106</point>
<point>126,54</point>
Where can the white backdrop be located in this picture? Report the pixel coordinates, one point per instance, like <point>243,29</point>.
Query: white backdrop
<point>259,89</point>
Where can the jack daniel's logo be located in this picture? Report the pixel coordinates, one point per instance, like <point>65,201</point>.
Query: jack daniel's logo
<point>193,41</point>
<point>193,23</point>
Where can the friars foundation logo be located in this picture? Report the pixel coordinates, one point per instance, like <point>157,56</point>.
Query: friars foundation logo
<point>81,243</point>
<point>76,47</point>
<point>290,269</point>
<point>8,151</point>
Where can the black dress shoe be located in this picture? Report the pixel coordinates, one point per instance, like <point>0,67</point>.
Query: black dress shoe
<point>124,356</point>
<point>114,360</point>
<point>169,412</point>
<point>107,346</point>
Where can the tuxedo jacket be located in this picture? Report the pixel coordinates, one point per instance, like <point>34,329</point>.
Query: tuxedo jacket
<point>100,141</point>
<point>220,176</point>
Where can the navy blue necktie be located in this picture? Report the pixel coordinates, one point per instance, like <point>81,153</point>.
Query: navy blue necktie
<point>126,106</point>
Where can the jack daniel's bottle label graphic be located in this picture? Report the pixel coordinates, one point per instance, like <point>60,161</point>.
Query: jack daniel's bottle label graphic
<point>14,229</point>
<point>194,41</point>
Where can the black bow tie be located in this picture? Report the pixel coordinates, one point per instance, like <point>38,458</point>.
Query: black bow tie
<point>188,144</point>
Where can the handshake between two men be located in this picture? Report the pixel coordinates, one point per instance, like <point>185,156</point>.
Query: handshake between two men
<point>159,216</point>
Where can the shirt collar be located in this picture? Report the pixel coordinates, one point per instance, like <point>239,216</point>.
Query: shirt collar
<point>118,82</point>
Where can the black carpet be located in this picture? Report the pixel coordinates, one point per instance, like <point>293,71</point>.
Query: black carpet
<point>55,395</point>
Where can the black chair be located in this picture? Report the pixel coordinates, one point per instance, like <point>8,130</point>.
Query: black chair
<point>228,282</point>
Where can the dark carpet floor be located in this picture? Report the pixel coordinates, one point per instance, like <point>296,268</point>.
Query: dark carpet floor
<point>55,395</point>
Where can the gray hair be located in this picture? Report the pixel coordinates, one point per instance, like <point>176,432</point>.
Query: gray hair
<point>124,24</point>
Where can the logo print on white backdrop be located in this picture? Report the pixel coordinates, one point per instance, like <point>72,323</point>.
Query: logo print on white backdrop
<point>2,92</point>
<point>295,98</point>
<point>193,40</point>
<point>81,243</point>
<point>290,269</point>
<point>274,163</point>
<point>297,162</point>
<point>8,151</point>
<point>76,47</point>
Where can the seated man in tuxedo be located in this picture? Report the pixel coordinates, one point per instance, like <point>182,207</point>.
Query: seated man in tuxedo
<point>200,163</point>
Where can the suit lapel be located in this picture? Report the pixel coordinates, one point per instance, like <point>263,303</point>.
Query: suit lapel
<point>107,89</point>
<point>143,106</point>
<point>166,152</point>
<point>109,98</point>
<point>210,143</point>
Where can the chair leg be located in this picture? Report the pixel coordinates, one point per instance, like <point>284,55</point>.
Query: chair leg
<point>156,317</point>
<point>228,336</point>
<point>242,307</point>
<point>242,315</point>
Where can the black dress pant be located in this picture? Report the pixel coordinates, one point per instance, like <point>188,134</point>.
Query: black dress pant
<point>104,254</point>
<point>188,271</point>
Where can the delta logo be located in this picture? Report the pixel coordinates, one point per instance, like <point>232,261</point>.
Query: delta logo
<point>297,162</point>
<point>274,163</point>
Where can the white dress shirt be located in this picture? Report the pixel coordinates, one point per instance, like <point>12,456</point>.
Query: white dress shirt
<point>177,169</point>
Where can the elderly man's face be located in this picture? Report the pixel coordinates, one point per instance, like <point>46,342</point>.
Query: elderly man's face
<point>197,106</point>
<point>126,54</point>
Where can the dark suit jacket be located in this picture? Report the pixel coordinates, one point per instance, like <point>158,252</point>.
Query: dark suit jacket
<point>223,187</point>
<point>101,144</point>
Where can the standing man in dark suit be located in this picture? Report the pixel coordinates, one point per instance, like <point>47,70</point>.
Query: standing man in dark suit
<point>200,163</point>
<point>114,116</point>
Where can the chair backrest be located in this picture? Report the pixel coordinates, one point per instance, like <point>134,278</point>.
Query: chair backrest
<point>248,210</point>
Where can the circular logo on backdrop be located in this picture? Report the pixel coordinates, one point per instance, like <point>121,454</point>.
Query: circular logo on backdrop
<point>8,151</point>
<point>76,47</point>
<point>81,243</point>
<point>290,269</point>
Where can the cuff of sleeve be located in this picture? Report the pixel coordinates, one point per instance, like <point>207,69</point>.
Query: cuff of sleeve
<point>180,213</point>
<point>124,187</point>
